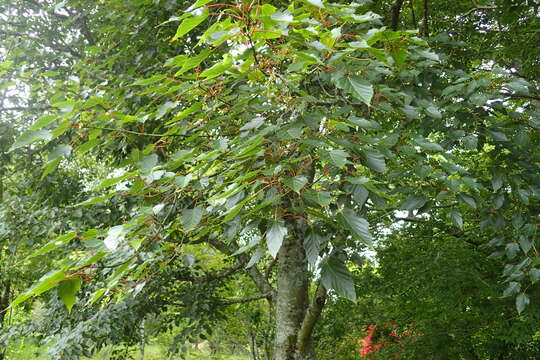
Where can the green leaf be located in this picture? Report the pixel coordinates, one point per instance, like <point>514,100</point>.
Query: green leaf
<point>428,55</point>
<point>98,294</point>
<point>275,236</point>
<point>358,225</point>
<point>164,109</point>
<point>497,135</point>
<point>466,199</point>
<point>190,218</point>
<point>257,255</point>
<point>360,194</point>
<point>190,23</point>
<point>511,250</point>
<point>425,144</point>
<point>399,55</point>
<point>434,112</point>
<point>30,137</point>
<point>535,275</point>
<point>50,167</point>
<point>522,300</point>
<point>322,198</point>
<point>497,181</point>
<point>45,283</point>
<point>375,160</point>
<point>356,87</point>
<point>42,122</point>
<point>512,289</point>
<point>478,99</point>
<point>193,62</point>
<point>470,142</point>
<point>150,80</point>
<point>363,123</point>
<point>312,246</point>
<point>253,241</point>
<point>67,291</point>
<point>115,180</point>
<point>317,3</point>
<point>337,157</point>
<point>148,162</point>
<point>59,151</point>
<point>217,69</point>
<point>414,202</point>
<point>53,244</point>
<point>296,183</point>
<point>96,200</point>
<point>525,243</point>
<point>335,275</point>
<point>235,210</point>
<point>456,218</point>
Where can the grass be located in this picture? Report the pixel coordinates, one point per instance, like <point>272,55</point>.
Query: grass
<point>25,351</point>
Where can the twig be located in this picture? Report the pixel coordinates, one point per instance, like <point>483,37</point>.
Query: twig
<point>244,300</point>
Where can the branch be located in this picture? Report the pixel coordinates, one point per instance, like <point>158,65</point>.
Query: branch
<point>310,319</point>
<point>260,281</point>
<point>410,219</point>
<point>40,41</point>
<point>23,108</point>
<point>244,300</point>
<point>523,97</point>
<point>480,8</point>
<point>152,135</point>
<point>227,272</point>
<point>210,277</point>
<point>269,268</point>
<point>132,132</point>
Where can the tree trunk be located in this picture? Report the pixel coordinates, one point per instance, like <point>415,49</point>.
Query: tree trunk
<point>292,295</point>
<point>413,15</point>
<point>142,343</point>
<point>4,302</point>
<point>396,11</point>
<point>295,317</point>
<point>253,345</point>
<point>426,18</point>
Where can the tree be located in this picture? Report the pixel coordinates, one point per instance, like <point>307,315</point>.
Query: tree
<point>280,136</point>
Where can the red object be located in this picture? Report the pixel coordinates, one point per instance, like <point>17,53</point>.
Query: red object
<point>368,347</point>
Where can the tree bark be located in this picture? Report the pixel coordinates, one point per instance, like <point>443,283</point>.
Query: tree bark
<point>304,343</point>
<point>291,298</point>
<point>413,15</point>
<point>295,318</point>
<point>253,345</point>
<point>426,19</point>
<point>396,11</point>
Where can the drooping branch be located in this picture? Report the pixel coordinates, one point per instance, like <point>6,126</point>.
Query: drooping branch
<point>396,11</point>
<point>258,278</point>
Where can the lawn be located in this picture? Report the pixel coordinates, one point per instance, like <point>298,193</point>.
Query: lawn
<point>152,352</point>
